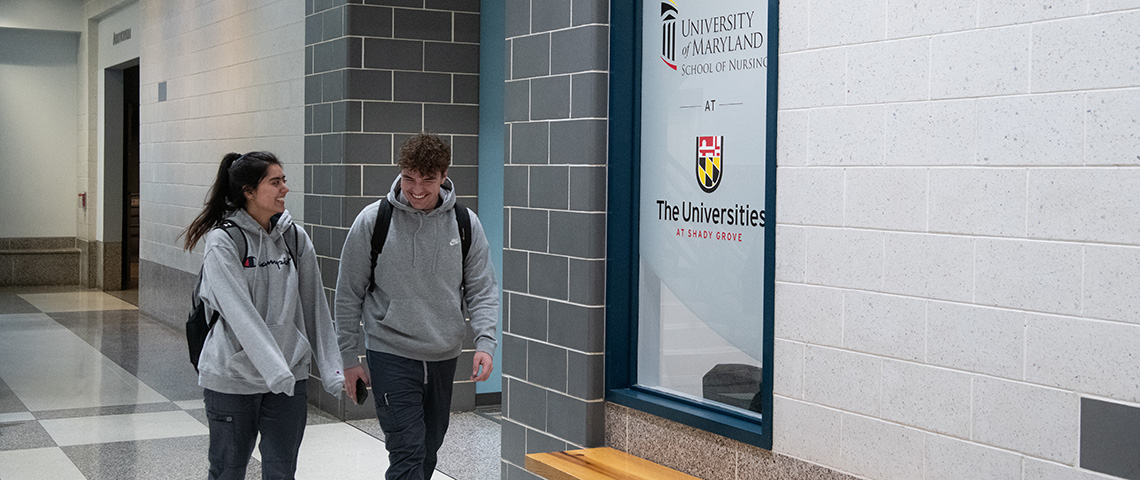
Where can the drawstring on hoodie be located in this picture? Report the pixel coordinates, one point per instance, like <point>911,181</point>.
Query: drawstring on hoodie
<point>256,271</point>
<point>395,197</point>
<point>414,235</point>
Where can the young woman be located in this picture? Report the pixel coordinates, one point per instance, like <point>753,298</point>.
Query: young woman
<point>260,273</point>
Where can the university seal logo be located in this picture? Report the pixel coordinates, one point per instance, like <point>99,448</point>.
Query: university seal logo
<point>669,34</point>
<point>709,162</point>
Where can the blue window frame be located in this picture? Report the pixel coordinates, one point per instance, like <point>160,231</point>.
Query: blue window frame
<point>622,245</point>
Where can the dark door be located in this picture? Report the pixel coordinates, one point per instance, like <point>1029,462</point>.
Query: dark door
<point>131,178</point>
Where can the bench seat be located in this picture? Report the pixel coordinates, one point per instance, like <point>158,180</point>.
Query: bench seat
<point>598,464</point>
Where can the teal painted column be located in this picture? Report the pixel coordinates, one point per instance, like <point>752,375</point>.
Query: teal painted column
<point>491,58</point>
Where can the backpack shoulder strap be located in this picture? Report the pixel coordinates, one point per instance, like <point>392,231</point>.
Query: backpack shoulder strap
<point>463,220</point>
<point>239,240</point>
<point>379,235</point>
<point>291,238</point>
<point>241,245</point>
<point>384,220</point>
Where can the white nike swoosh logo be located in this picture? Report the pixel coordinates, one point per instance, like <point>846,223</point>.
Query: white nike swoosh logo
<point>455,241</point>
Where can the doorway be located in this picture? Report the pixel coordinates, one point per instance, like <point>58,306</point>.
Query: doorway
<point>120,181</point>
<point>130,178</point>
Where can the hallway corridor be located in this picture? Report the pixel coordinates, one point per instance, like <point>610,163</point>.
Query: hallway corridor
<point>91,389</point>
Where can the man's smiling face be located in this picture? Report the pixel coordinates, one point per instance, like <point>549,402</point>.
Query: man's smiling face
<point>422,191</point>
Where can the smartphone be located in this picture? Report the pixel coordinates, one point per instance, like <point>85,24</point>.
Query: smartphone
<point>361,391</point>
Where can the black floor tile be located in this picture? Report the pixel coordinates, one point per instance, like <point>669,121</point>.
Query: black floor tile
<point>23,436</point>
<point>12,303</point>
<point>181,458</point>
<point>9,403</point>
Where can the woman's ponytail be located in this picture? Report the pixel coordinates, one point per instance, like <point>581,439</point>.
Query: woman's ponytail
<point>217,204</point>
<point>236,174</point>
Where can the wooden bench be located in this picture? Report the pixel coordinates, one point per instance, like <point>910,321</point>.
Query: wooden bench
<point>598,464</point>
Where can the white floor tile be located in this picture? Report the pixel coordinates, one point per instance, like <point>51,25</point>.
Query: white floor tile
<point>16,417</point>
<point>75,301</point>
<point>39,463</point>
<point>122,428</point>
<point>339,451</point>
<point>50,368</point>
<point>191,404</point>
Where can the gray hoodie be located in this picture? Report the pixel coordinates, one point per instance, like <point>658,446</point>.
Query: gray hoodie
<point>274,315</point>
<point>416,309</point>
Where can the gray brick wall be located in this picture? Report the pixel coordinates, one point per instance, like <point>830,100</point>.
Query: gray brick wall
<point>554,240</point>
<point>376,74</point>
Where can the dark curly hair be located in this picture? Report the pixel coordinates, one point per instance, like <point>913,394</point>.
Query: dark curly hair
<point>425,154</point>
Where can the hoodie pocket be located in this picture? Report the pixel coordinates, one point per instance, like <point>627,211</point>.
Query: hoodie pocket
<point>431,323</point>
<point>293,344</point>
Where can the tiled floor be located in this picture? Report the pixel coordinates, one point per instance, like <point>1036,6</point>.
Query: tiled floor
<point>90,389</point>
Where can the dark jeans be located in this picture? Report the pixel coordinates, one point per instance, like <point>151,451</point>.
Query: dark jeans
<point>413,404</point>
<point>235,421</point>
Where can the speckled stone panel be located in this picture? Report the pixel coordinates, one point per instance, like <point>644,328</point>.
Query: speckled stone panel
<point>40,243</point>
<point>617,426</point>
<point>680,447</point>
<point>46,269</point>
<point>86,262</point>
<point>112,256</point>
<point>702,454</point>
<point>39,261</point>
<point>6,277</point>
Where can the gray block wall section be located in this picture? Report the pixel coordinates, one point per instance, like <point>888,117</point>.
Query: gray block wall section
<point>555,227</point>
<point>376,73</point>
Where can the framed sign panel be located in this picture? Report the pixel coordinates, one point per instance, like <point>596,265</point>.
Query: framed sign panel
<point>699,234</point>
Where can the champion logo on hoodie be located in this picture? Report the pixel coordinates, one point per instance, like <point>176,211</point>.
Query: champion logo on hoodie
<point>249,262</point>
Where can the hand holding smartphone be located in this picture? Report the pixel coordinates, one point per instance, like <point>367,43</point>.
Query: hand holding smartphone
<point>361,392</point>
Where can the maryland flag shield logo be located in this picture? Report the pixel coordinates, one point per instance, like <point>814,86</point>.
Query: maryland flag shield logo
<point>709,166</point>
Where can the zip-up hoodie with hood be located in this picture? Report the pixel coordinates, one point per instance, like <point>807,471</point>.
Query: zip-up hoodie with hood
<point>274,315</point>
<point>416,309</point>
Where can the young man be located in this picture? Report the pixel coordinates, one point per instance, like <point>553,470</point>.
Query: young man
<point>412,315</point>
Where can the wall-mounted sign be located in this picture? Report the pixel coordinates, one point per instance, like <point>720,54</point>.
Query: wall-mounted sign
<point>704,111</point>
<point>121,37</point>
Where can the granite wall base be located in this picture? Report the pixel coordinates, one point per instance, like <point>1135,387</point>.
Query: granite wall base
<point>164,293</point>
<point>39,261</point>
<point>700,453</point>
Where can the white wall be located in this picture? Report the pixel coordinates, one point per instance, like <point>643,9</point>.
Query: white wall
<point>39,76</point>
<point>109,221</point>
<point>42,14</point>
<point>38,103</point>
<point>958,252</point>
<point>235,82</point>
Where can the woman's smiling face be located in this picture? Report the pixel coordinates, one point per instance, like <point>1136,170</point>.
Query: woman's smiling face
<point>269,197</point>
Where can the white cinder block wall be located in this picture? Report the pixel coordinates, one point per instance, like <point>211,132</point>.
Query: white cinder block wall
<point>234,74</point>
<point>959,233</point>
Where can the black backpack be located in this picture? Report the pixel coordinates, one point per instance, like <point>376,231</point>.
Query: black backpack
<point>196,327</point>
<point>384,220</point>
